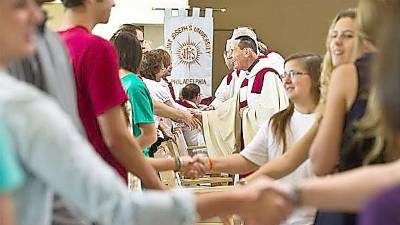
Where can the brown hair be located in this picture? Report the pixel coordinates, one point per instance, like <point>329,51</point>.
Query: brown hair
<point>247,42</point>
<point>166,58</point>
<point>129,27</point>
<point>151,65</point>
<point>279,122</point>
<point>190,91</point>
<point>128,49</point>
<point>371,14</point>
<point>388,71</point>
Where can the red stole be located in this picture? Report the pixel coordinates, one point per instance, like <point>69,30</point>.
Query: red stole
<point>170,87</point>
<point>230,76</point>
<point>185,103</point>
<point>257,84</point>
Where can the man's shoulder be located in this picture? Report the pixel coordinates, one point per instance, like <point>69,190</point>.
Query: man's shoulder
<point>265,65</point>
<point>85,39</point>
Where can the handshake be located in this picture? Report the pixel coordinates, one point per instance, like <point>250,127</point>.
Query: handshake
<point>262,201</point>
<point>193,167</point>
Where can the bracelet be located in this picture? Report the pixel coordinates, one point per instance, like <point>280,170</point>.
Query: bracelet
<point>178,163</point>
<point>294,193</point>
<point>242,182</point>
<point>210,163</point>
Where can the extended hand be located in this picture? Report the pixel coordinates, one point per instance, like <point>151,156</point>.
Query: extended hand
<point>265,203</point>
<point>192,167</point>
<point>190,120</point>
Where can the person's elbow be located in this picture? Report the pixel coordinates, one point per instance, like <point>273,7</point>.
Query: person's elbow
<point>116,141</point>
<point>151,138</point>
<point>320,167</point>
<point>319,170</point>
<point>149,134</point>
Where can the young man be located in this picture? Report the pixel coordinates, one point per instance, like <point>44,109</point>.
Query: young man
<point>99,91</point>
<point>138,32</point>
<point>191,98</point>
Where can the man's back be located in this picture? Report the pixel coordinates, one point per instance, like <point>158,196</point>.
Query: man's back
<point>99,89</point>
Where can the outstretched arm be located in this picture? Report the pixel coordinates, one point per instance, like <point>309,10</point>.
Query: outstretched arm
<point>232,164</point>
<point>163,110</point>
<point>125,148</point>
<point>289,161</point>
<point>350,190</point>
<point>7,216</point>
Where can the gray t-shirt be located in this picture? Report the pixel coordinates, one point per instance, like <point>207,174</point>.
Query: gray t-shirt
<point>50,70</point>
<point>56,158</point>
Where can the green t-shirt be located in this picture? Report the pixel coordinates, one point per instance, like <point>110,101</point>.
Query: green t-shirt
<point>142,106</point>
<point>11,175</point>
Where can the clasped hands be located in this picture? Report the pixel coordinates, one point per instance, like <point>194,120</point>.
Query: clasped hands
<point>262,201</point>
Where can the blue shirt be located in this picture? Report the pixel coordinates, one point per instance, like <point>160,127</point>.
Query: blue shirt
<point>10,172</point>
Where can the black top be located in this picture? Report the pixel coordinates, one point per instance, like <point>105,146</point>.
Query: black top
<point>353,150</point>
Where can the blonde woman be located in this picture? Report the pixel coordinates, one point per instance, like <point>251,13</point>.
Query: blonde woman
<point>340,44</point>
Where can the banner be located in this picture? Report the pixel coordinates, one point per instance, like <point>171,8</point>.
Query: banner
<point>190,42</point>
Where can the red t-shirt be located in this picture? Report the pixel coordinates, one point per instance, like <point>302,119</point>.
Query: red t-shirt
<point>98,86</point>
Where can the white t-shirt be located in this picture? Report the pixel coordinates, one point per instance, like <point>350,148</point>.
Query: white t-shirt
<point>263,148</point>
<point>157,91</point>
<point>167,92</point>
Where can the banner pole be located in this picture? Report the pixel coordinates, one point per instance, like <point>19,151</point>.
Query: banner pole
<point>216,10</point>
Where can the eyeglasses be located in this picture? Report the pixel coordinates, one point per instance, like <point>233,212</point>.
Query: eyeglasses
<point>291,74</point>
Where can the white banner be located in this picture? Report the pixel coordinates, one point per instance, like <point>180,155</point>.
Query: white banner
<point>190,42</point>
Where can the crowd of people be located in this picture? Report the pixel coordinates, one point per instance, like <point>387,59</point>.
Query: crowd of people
<point>315,139</point>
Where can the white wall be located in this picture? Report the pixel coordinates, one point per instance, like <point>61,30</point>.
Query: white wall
<point>154,34</point>
<point>140,12</point>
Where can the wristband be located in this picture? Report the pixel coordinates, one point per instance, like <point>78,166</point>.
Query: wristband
<point>178,163</point>
<point>210,163</point>
<point>242,182</point>
<point>293,192</point>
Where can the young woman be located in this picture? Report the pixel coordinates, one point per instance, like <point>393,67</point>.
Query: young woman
<point>340,44</point>
<point>152,71</point>
<point>18,25</point>
<point>141,107</point>
<point>166,60</point>
<point>337,148</point>
<point>301,82</point>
